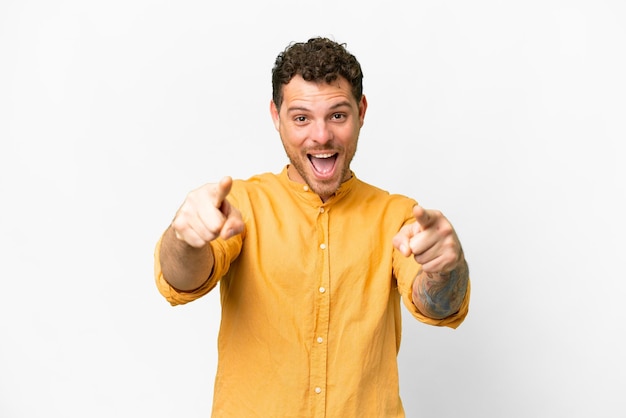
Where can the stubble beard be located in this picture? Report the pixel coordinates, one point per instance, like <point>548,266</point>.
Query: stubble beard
<point>324,189</point>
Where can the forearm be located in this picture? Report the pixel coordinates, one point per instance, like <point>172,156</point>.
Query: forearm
<point>441,295</point>
<point>184,267</point>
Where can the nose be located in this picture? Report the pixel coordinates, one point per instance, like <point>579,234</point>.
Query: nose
<point>321,132</point>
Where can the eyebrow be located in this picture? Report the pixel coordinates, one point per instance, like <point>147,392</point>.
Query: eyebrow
<point>344,103</point>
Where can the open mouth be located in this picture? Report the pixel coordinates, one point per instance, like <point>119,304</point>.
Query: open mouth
<point>323,164</point>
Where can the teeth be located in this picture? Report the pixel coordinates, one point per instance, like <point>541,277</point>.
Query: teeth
<point>322,155</point>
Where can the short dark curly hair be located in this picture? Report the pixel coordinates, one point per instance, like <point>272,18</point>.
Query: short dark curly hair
<point>318,59</point>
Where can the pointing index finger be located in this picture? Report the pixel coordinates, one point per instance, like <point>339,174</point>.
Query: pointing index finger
<point>223,188</point>
<point>422,216</point>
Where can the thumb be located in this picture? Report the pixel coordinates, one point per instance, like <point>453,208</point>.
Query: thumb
<point>401,241</point>
<point>234,222</point>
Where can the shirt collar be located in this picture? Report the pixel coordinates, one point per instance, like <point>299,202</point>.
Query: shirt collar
<point>304,192</point>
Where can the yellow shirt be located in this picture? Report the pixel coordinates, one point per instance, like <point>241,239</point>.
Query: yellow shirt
<point>310,298</point>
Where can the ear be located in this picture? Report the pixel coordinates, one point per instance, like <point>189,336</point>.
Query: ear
<point>362,109</point>
<point>275,115</point>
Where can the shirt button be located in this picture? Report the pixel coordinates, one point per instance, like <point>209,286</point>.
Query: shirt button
<point>321,210</point>
<point>318,390</point>
<point>322,289</point>
<point>323,246</point>
<point>320,340</point>
<point>305,188</point>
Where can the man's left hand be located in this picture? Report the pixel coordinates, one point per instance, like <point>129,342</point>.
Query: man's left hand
<point>432,241</point>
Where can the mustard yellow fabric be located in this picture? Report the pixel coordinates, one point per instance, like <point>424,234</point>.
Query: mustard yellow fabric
<point>310,298</point>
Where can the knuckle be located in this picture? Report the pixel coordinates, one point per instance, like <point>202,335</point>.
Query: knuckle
<point>180,224</point>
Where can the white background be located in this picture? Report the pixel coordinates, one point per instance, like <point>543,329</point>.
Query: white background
<point>507,116</point>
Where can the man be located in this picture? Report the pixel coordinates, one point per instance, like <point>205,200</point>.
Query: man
<point>312,262</point>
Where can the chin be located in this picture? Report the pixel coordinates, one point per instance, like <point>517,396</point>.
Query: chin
<point>325,189</point>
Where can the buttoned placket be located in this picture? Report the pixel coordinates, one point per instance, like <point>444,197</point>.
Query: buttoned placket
<point>319,350</point>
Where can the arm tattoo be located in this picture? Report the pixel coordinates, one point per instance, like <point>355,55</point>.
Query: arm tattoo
<point>442,295</point>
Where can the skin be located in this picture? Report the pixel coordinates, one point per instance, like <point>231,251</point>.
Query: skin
<point>319,125</point>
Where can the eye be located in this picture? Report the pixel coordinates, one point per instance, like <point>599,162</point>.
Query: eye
<point>338,116</point>
<point>300,119</point>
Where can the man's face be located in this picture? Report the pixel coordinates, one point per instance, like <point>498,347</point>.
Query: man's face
<point>319,126</point>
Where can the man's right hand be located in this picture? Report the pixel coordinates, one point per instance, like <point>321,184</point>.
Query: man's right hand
<point>206,214</point>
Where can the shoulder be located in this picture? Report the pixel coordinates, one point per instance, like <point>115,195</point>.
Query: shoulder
<point>260,188</point>
<point>373,193</point>
<point>255,184</point>
<point>378,202</point>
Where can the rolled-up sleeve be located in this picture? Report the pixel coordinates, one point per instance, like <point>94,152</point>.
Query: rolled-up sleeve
<point>224,252</point>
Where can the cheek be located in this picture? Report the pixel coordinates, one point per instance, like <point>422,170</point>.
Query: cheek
<point>293,138</point>
<point>348,135</point>
<point>349,144</point>
<point>292,147</point>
